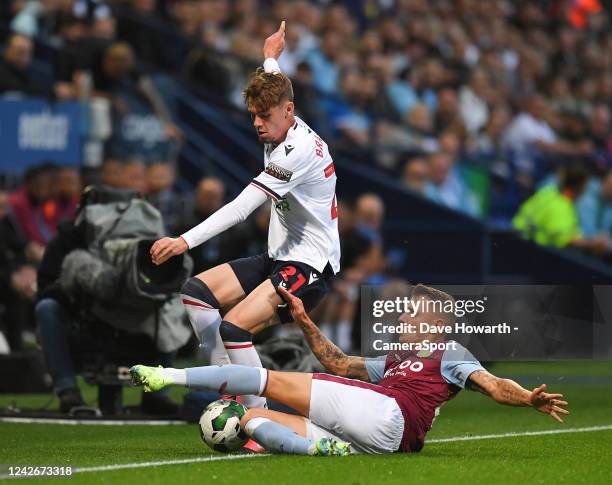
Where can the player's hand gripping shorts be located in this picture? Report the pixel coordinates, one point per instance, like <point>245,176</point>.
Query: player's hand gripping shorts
<point>298,278</point>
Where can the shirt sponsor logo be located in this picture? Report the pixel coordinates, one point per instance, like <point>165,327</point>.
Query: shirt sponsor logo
<point>278,172</point>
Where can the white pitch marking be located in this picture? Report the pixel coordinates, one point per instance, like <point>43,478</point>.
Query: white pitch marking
<point>101,422</point>
<point>239,457</point>
<point>148,464</point>
<point>121,466</point>
<point>524,433</point>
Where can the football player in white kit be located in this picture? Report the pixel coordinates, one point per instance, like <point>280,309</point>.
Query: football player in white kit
<point>303,245</point>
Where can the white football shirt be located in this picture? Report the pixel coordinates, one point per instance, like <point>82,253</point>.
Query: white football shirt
<point>300,179</point>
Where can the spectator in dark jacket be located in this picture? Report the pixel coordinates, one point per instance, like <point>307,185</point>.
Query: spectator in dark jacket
<point>14,75</point>
<point>17,277</point>
<point>54,314</point>
<point>209,197</point>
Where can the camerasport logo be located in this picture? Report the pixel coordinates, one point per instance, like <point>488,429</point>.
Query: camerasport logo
<point>278,172</point>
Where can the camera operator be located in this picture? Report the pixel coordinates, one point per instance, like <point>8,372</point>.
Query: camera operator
<point>86,306</point>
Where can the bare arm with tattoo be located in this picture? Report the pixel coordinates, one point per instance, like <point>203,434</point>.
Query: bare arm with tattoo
<point>506,391</point>
<point>330,356</point>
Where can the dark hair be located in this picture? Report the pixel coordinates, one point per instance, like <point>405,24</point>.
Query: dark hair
<point>574,177</point>
<point>36,171</point>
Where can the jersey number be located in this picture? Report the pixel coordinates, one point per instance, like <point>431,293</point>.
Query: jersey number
<point>290,271</point>
<point>414,366</point>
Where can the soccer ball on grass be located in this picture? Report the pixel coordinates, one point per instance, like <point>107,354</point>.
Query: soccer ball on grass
<point>220,425</point>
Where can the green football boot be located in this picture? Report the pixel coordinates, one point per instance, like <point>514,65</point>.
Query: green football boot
<point>150,378</point>
<point>341,448</point>
<point>331,447</point>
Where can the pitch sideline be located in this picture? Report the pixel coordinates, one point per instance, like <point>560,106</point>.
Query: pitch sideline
<point>122,466</point>
<point>522,433</point>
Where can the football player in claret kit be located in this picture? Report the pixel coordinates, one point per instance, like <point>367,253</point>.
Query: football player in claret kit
<point>303,243</point>
<point>368,405</point>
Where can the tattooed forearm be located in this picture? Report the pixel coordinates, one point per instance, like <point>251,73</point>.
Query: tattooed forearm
<point>356,368</point>
<point>512,393</point>
<point>332,358</point>
<point>504,391</point>
<point>328,354</point>
<point>483,382</point>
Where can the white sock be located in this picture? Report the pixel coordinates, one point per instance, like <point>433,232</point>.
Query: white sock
<point>177,376</point>
<point>205,323</point>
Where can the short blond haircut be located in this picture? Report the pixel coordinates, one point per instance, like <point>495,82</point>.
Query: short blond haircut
<point>266,90</point>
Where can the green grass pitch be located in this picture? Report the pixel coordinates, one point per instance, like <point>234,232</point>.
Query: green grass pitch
<point>580,457</point>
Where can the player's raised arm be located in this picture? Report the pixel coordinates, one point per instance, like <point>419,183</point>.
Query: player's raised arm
<point>229,215</point>
<point>506,391</point>
<point>330,356</point>
<point>273,48</point>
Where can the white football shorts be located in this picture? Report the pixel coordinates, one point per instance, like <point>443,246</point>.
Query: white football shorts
<point>352,410</point>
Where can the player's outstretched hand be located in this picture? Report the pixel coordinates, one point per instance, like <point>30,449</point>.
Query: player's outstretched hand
<point>548,403</point>
<point>166,247</point>
<point>296,307</point>
<point>274,45</point>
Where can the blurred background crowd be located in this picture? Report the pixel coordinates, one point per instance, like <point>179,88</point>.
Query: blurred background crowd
<point>497,109</point>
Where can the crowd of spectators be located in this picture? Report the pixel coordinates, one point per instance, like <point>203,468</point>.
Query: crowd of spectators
<point>29,217</point>
<point>450,82</point>
<point>457,85</point>
<point>465,102</point>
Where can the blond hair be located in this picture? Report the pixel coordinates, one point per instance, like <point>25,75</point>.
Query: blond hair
<point>266,90</point>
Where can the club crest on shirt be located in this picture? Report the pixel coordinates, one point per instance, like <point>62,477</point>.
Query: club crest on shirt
<point>282,204</point>
<point>278,172</point>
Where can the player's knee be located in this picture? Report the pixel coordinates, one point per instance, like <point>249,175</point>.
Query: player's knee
<point>242,317</point>
<point>195,288</point>
<point>236,314</point>
<point>231,332</point>
<point>252,414</point>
